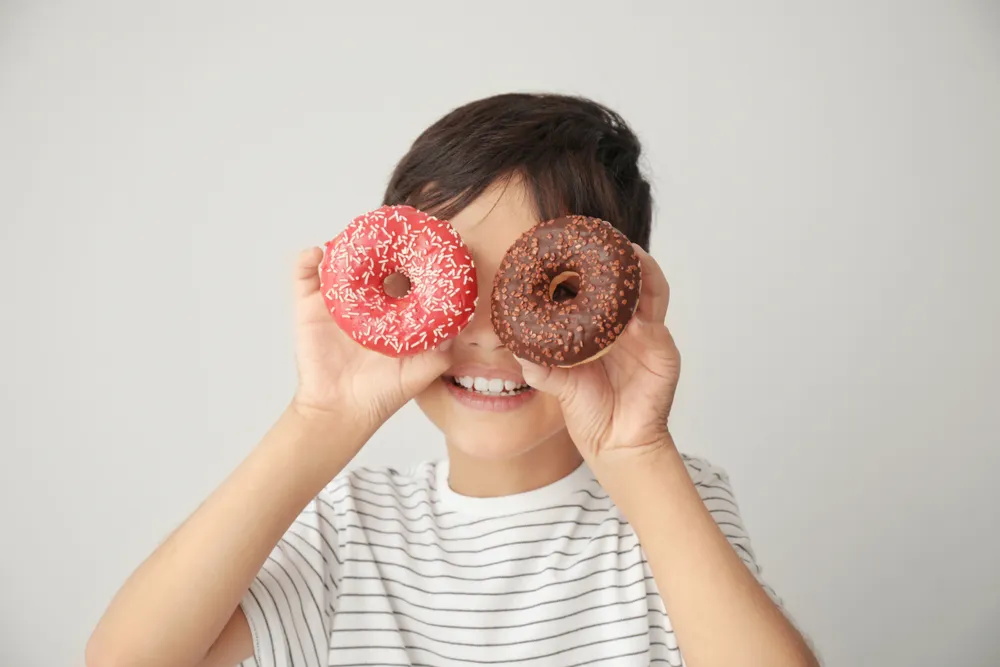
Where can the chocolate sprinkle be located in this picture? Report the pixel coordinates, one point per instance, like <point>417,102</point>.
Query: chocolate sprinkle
<point>540,329</point>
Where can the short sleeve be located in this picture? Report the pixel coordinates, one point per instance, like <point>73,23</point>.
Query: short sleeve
<point>716,492</point>
<point>290,602</point>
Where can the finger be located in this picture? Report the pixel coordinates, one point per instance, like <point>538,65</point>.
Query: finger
<point>418,371</point>
<point>423,368</point>
<point>654,296</point>
<point>306,276</point>
<point>548,379</point>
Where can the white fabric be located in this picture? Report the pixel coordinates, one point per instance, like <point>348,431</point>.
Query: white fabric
<point>390,568</point>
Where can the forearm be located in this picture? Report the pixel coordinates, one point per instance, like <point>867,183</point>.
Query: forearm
<point>178,601</point>
<point>720,613</point>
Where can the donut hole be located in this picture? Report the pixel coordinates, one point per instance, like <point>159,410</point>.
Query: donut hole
<point>396,285</point>
<point>564,287</point>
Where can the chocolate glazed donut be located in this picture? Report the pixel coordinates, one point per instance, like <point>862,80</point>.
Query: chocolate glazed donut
<point>565,291</point>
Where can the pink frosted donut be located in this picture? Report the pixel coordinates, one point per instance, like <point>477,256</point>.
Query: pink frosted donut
<point>399,281</point>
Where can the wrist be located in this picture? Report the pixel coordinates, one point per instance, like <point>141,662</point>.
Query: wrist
<point>631,474</point>
<point>640,452</point>
<point>319,441</point>
<point>333,414</point>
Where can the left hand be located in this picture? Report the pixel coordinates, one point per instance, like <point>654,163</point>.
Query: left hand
<point>618,405</point>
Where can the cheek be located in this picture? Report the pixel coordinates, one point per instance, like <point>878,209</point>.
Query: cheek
<point>550,411</point>
<point>431,401</point>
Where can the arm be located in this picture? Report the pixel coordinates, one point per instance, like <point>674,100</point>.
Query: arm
<point>179,608</point>
<point>720,612</point>
<point>617,410</point>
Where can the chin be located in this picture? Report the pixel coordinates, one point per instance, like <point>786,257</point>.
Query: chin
<point>491,449</point>
<point>484,429</point>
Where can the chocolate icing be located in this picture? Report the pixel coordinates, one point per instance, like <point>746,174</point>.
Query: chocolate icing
<point>563,333</point>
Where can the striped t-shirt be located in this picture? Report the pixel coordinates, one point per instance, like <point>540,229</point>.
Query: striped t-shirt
<point>390,568</point>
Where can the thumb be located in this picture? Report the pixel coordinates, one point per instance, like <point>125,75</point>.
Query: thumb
<point>548,379</point>
<point>306,274</point>
<point>419,370</point>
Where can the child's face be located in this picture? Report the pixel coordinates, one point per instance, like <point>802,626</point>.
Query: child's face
<point>482,425</point>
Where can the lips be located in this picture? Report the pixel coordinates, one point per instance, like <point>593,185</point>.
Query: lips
<point>487,388</point>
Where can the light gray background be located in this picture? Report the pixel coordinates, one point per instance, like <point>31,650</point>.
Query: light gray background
<point>828,187</point>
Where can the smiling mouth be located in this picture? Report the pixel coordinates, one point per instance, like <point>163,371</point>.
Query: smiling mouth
<point>488,386</point>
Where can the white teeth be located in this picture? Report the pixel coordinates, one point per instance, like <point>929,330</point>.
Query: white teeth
<point>490,386</point>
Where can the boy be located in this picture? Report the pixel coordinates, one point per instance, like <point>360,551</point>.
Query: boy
<point>523,546</point>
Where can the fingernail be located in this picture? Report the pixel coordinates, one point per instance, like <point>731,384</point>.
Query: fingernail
<point>446,345</point>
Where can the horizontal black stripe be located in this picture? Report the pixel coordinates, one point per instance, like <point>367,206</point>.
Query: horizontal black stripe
<point>445,561</point>
<point>737,526</point>
<point>331,503</point>
<point>712,475</point>
<point>575,664</point>
<point>613,657</point>
<point>719,487</point>
<point>572,538</point>
<point>602,660</point>
<point>665,644</point>
<point>495,662</point>
<point>398,506</point>
<point>425,474</point>
<point>551,568</point>
<point>729,501</point>
<point>520,642</point>
<point>603,497</point>
<point>729,512</point>
<point>350,486</point>
<point>436,530</point>
<point>610,520</point>
<point>346,483</point>
<point>466,610</point>
<point>393,614</point>
<point>437,516</point>
<point>355,496</point>
<point>401,506</point>
<point>550,584</point>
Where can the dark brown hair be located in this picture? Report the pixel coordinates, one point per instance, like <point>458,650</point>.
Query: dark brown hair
<point>575,155</point>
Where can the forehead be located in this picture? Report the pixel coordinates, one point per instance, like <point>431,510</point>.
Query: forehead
<point>493,221</point>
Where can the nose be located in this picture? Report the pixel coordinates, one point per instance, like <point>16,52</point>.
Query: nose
<point>479,333</point>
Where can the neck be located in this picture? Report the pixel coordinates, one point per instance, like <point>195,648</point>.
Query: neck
<point>544,464</point>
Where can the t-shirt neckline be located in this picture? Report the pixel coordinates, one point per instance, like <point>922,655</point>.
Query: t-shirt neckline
<point>553,494</point>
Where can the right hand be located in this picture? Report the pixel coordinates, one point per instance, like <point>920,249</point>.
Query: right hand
<point>339,376</point>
